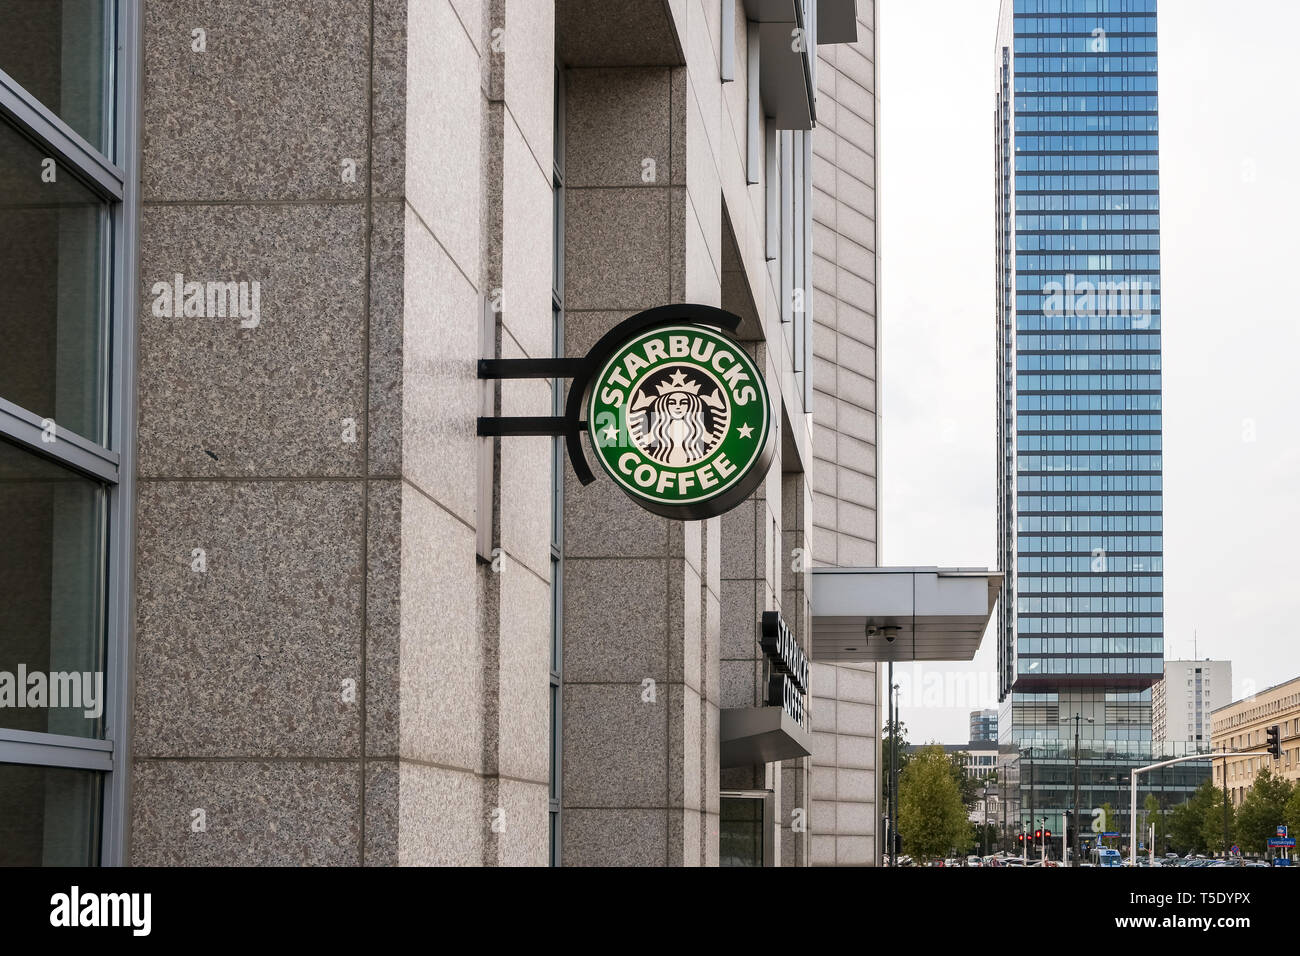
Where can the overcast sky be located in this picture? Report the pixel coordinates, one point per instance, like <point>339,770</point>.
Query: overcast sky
<point>1230,198</point>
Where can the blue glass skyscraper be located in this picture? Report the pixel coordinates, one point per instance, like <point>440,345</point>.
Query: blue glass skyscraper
<point>1079,398</point>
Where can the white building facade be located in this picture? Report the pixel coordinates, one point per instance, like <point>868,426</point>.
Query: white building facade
<point>1181,703</point>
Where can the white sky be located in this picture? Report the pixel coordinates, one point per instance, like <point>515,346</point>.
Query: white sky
<point>1230,197</point>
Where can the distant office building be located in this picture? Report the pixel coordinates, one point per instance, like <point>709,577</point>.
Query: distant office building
<point>978,762</point>
<point>984,726</point>
<point>1181,703</point>
<point>1243,725</point>
<point>1078,396</point>
<point>987,809</point>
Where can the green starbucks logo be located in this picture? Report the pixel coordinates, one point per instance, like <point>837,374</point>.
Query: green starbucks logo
<point>679,417</point>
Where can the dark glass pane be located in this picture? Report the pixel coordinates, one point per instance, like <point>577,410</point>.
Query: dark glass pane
<point>52,617</point>
<point>49,816</point>
<point>555,739</point>
<point>741,832</point>
<point>61,52</point>
<point>53,239</point>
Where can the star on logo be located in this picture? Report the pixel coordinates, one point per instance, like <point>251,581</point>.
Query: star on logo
<point>745,431</point>
<point>610,433</point>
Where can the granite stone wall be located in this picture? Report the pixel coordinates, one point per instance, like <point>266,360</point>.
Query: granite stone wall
<point>325,670</point>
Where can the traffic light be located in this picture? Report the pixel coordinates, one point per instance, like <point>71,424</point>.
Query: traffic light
<point>1274,737</point>
<point>1021,838</point>
<point>1047,835</point>
<point>1038,836</point>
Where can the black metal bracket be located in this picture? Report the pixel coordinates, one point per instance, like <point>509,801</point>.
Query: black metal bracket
<point>580,372</point>
<point>531,368</point>
<point>515,425</point>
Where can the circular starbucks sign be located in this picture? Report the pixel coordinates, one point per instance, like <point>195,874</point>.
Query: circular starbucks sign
<point>679,417</point>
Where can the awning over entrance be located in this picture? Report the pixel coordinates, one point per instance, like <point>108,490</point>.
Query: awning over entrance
<point>900,614</point>
<point>752,735</point>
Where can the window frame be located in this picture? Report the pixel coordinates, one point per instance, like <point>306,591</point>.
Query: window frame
<point>555,676</point>
<point>113,178</point>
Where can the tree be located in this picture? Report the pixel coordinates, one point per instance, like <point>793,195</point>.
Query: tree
<point>893,729</point>
<point>1185,827</point>
<point>903,755</point>
<point>1212,826</point>
<point>1157,819</point>
<point>1105,821</point>
<point>1196,824</point>
<point>971,788</point>
<point>1292,813</point>
<point>1262,810</point>
<point>931,815</point>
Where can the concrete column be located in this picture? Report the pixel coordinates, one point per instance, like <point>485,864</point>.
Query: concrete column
<point>639,590</point>
<point>795,561</point>
<point>346,682</point>
<point>846,704</point>
<point>264,724</point>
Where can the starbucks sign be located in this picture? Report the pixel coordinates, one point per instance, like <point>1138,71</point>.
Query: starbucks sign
<point>676,411</point>
<point>679,418</point>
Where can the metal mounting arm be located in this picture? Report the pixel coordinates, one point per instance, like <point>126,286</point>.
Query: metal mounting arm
<point>580,372</point>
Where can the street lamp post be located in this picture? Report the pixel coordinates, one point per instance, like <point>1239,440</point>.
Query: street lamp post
<point>893,769</point>
<point>1119,802</point>
<point>988,793</point>
<point>1031,799</point>
<point>1226,836</point>
<point>1113,822</point>
<point>1164,832</point>
<point>1002,786</point>
<point>1076,718</point>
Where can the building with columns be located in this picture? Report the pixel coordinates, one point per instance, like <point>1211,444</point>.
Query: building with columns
<point>1243,726</point>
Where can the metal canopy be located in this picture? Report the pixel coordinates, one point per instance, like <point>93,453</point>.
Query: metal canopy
<point>900,614</point>
<point>751,735</point>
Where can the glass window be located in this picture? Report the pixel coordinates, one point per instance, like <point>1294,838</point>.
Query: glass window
<point>61,52</point>
<point>740,833</point>
<point>53,236</point>
<point>52,618</point>
<point>49,816</point>
<point>556,675</point>
<point>65,443</point>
